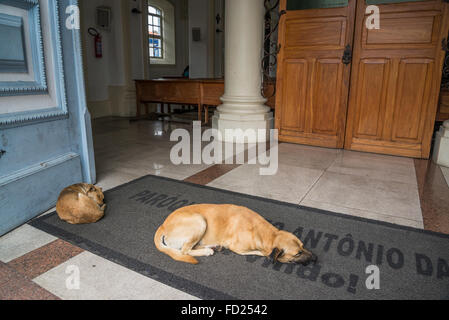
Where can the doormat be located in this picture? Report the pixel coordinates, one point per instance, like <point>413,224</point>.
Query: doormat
<point>358,258</point>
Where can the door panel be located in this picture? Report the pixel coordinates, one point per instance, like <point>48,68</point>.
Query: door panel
<point>327,32</point>
<point>404,30</point>
<point>395,79</point>
<point>412,99</point>
<point>312,80</point>
<point>293,117</point>
<point>45,129</point>
<point>371,98</point>
<point>327,78</point>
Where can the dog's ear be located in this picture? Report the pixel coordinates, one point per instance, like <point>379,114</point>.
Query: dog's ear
<point>276,254</point>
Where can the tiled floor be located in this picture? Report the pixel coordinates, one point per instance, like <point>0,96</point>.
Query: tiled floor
<point>372,186</point>
<point>35,265</point>
<point>21,241</point>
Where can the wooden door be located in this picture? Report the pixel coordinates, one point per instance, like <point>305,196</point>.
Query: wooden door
<point>45,127</point>
<point>396,78</point>
<point>313,81</point>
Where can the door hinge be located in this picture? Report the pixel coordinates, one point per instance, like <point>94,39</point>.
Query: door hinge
<point>347,55</point>
<point>2,152</point>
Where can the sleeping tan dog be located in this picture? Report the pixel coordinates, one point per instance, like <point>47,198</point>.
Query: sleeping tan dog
<point>81,203</point>
<point>197,230</point>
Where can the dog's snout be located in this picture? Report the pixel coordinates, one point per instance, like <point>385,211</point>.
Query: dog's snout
<point>307,257</point>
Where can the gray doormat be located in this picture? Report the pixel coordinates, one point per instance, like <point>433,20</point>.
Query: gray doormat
<point>413,264</point>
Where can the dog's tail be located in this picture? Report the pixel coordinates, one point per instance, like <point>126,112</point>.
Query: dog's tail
<point>173,253</point>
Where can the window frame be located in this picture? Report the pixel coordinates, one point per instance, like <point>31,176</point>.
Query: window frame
<point>169,34</point>
<point>153,36</point>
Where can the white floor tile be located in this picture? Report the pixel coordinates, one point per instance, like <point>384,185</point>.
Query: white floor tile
<point>307,156</point>
<point>358,192</point>
<point>290,184</point>
<point>419,224</point>
<point>374,166</point>
<point>113,178</point>
<point>21,241</point>
<point>101,279</point>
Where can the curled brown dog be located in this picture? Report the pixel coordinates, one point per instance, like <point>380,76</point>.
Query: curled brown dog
<point>80,204</point>
<point>197,230</point>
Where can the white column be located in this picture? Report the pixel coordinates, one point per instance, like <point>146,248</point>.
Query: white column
<point>441,149</point>
<point>243,105</point>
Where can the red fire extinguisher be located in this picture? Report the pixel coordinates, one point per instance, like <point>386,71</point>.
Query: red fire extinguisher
<point>98,44</point>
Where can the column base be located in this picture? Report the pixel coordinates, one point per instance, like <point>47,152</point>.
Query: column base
<point>240,123</point>
<point>441,149</point>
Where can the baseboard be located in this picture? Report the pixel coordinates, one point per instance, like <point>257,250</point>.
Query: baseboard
<point>123,100</point>
<point>99,109</point>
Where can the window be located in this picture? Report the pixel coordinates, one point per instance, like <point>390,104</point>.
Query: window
<point>160,44</point>
<point>155,35</point>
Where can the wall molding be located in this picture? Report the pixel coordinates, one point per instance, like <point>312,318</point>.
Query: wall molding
<point>39,85</point>
<point>14,64</point>
<point>43,114</point>
<point>36,168</point>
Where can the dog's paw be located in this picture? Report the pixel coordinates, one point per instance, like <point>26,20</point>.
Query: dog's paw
<point>209,252</point>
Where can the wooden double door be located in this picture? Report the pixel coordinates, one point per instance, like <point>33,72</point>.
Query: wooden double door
<point>342,84</point>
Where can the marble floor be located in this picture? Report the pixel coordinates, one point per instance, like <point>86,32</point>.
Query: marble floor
<point>36,265</point>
